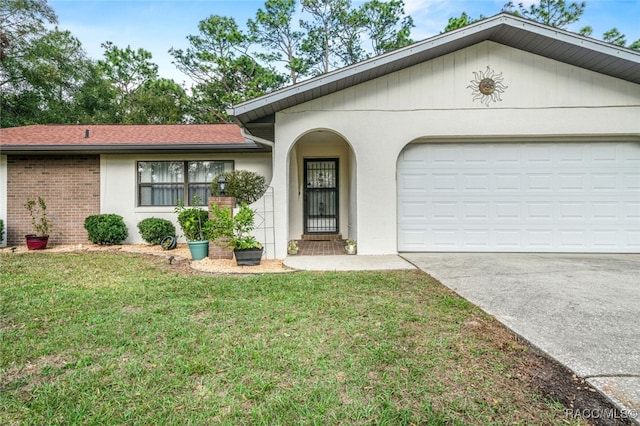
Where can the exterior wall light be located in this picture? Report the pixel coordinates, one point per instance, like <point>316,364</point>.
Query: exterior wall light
<point>222,186</point>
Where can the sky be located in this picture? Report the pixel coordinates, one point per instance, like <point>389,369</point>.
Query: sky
<point>158,25</point>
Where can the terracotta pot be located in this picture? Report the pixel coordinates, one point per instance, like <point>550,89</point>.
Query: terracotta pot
<point>36,242</point>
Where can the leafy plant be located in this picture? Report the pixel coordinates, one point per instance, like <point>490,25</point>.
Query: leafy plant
<point>193,220</point>
<point>350,246</point>
<point>106,229</point>
<point>233,231</point>
<point>153,229</point>
<point>246,186</point>
<point>1,230</point>
<point>38,215</point>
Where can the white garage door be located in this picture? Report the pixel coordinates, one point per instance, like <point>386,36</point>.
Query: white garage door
<point>529,197</point>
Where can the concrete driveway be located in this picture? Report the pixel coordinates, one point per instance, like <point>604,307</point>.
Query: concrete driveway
<point>583,310</point>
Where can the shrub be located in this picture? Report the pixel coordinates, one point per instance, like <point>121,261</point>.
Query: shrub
<point>1,230</point>
<point>233,231</point>
<point>193,220</point>
<point>106,229</point>
<point>153,229</point>
<point>246,186</point>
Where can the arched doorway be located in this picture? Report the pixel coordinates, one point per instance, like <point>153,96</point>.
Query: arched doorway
<point>322,187</point>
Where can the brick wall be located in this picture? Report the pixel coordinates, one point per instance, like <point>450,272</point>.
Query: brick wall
<point>70,186</point>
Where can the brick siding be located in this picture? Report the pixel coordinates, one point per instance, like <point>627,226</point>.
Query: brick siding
<point>69,185</point>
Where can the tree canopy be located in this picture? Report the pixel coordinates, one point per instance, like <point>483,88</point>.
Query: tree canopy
<point>555,13</point>
<point>46,76</point>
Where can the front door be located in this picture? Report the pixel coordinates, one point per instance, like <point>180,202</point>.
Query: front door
<point>321,196</point>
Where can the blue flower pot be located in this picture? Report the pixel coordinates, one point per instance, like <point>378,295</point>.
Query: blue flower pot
<point>199,249</point>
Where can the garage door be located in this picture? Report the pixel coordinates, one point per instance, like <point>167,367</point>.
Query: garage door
<point>508,197</point>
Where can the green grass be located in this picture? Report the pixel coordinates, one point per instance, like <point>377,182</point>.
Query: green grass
<point>109,338</point>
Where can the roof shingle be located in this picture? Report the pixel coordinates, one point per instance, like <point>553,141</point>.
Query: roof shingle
<point>118,135</point>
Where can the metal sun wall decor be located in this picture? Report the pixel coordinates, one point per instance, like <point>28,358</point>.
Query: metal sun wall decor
<point>487,86</point>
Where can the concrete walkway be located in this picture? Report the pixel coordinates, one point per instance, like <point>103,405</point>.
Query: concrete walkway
<point>347,263</point>
<point>582,310</point>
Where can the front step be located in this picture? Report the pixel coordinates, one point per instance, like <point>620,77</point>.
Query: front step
<point>321,237</point>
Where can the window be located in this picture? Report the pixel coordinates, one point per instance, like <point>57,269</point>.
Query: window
<point>162,183</point>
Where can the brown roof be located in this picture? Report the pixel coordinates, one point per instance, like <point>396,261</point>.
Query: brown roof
<point>72,135</point>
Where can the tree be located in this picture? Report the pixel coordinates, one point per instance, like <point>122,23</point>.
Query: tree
<point>21,23</point>
<point>386,25</point>
<point>462,21</point>
<point>96,99</point>
<point>224,71</point>
<point>45,80</point>
<point>337,34</point>
<point>158,101</point>
<point>612,36</point>
<point>273,30</point>
<point>41,72</point>
<point>126,70</point>
<point>555,13</point>
<point>328,20</point>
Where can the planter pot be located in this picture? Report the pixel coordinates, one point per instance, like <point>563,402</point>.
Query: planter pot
<point>36,242</point>
<point>248,257</point>
<point>350,249</point>
<point>199,249</point>
<point>168,242</point>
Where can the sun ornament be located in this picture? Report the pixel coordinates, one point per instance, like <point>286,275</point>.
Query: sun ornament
<point>487,86</point>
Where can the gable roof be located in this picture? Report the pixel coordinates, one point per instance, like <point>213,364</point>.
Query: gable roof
<point>124,138</point>
<point>257,115</point>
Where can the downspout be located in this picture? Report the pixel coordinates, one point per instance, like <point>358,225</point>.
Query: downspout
<point>256,139</point>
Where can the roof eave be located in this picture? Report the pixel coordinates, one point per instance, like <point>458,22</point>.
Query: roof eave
<point>132,148</point>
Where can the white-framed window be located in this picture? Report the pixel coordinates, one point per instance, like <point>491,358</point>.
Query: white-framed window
<point>163,183</point>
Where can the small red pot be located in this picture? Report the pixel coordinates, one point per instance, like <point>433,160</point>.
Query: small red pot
<point>37,242</point>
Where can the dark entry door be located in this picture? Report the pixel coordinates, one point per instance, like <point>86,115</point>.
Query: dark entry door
<point>321,196</point>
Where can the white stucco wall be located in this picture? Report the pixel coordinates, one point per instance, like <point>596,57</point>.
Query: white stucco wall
<point>118,180</point>
<point>3,197</point>
<point>431,102</point>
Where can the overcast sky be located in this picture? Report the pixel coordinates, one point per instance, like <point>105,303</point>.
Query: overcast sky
<point>158,25</point>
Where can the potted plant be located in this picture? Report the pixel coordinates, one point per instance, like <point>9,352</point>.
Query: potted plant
<point>293,247</point>
<point>350,247</point>
<point>235,232</point>
<point>193,221</point>
<point>38,212</point>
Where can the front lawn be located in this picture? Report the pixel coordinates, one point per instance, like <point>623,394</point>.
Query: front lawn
<point>113,338</point>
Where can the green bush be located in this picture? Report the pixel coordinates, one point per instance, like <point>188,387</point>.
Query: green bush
<point>1,230</point>
<point>153,229</point>
<point>193,220</point>
<point>106,229</point>
<point>245,186</point>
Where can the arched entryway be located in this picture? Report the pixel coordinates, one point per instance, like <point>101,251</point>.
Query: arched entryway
<point>322,187</point>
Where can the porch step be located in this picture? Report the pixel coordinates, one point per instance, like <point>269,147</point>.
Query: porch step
<point>321,237</point>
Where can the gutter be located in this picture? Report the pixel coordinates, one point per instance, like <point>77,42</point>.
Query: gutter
<point>129,148</point>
